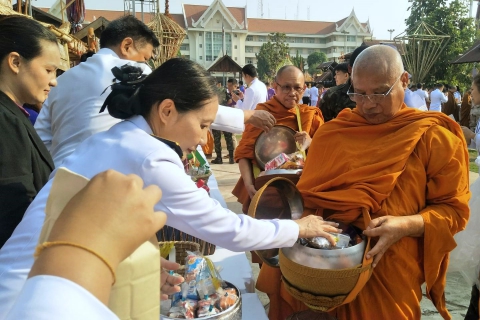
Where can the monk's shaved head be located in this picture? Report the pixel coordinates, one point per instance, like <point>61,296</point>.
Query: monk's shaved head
<point>288,69</point>
<point>289,86</point>
<point>378,83</point>
<point>380,59</point>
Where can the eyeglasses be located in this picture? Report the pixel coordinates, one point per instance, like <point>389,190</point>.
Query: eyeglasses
<point>288,89</point>
<point>374,98</point>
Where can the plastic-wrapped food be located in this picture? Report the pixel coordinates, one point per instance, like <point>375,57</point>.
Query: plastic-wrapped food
<point>183,309</point>
<point>276,162</point>
<point>296,161</point>
<point>228,297</point>
<point>342,241</point>
<point>206,308</point>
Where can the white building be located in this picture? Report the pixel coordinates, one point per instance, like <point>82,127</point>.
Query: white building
<point>244,36</point>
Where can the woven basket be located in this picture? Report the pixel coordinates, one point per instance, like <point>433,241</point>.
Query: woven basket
<point>181,248</point>
<point>171,234</point>
<point>325,289</point>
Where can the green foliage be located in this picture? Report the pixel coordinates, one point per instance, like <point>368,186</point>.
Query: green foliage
<point>271,55</point>
<point>450,18</point>
<point>314,59</point>
<point>299,62</point>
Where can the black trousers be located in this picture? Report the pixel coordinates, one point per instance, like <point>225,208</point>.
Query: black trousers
<point>306,100</point>
<point>217,140</point>
<point>472,313</point>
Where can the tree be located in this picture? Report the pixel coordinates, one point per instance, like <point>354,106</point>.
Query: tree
<point>450,18</point>
<point>299,62</point>
<point>315,59</point>
<point>271,55</point>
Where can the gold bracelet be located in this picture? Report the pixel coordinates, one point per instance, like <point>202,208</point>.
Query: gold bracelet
<point>45,245</point>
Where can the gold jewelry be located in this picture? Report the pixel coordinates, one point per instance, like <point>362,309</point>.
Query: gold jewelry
<point>45,245</point>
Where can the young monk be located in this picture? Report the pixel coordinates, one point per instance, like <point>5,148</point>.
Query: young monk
<point>289,86</point>
<point>409,169</point>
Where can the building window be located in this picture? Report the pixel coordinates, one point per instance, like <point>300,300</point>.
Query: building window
<point>299,40</point>
<point>249,61</point>
<point>200,45</point>
<point>200,58</point>
<point>186,36</point>
<point>334,49</point>
<point>248,49</point>
<point>235,46</point>
<point>262,39</point>
<point>322,40</point>
<point>311,40</point>
<point>208,58</point>
<point>184,47</point>
<point>200,34</point>
<point>351,39</point>
<point>310,51</point>
<point>249,38</point>
<point>235,35</point>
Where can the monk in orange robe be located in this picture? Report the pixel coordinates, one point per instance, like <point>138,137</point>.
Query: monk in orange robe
<point>450,107</point>
<point>465,109</point>
<point>409,169</point>
<point>208,147</point>
<point>289,87</point>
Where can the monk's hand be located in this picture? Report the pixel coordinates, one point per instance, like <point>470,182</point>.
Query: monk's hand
<point>390,229</point>
<point>314,226</point>
<point>251,190</point>
<point>260,118</point>
<point>303,139</point>
<point>169,284</point>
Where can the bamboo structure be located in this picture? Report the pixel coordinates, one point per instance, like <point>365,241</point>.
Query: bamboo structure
<point>421,46</point>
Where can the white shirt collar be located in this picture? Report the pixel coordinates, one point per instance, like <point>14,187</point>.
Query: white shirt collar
<point>141,123</point>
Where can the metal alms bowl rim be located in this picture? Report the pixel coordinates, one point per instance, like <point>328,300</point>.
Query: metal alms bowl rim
<point>261,161</point>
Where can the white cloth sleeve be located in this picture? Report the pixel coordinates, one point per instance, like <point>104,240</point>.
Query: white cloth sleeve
<point>43,125</point>
<point>444,98</point>
<point>247,103</point>
<point>191,210</point>
<point>229,119</point>
<point>55,298</point>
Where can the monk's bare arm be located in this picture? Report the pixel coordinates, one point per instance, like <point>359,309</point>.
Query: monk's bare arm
<point>246,172</point>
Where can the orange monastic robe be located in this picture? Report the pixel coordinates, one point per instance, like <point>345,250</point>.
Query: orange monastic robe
<point>416,163</point>
<point>311,118</point>
<point>208,147</point>
<point>450,107</point>
<point>465,110</point>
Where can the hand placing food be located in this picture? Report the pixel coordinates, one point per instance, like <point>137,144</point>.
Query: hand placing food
<point>314,226</point>
<point>169,283</point>
<point>260,118</point>
<point>303,139</point>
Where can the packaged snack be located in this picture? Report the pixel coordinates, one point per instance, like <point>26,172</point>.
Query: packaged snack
<point>276,162</point>
<point>342,241</point>
<point>206,308</point>
<point>228,297</point>
<point>296,161</point>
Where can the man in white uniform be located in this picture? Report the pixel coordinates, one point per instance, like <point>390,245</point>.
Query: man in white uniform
<point>313,96</point>
<point>256,92</point>
<point>437,98</point>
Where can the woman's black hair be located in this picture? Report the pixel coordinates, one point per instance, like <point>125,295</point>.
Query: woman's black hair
<point>23,35</point>
<point>183,81</point>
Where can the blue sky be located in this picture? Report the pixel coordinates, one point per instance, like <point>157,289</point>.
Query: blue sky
<point>383,14</point>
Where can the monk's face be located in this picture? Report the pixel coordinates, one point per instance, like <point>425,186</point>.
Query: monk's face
<point>289,87</point>
<point>367,82</point>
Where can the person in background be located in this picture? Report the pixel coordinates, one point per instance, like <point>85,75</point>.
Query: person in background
<point>422,93</point>
<point>336,98</point>
<point>341,73</point>
<point>437,97</point>
<point>29,58</point>
<point>450,107</point>
<point>306,95</point>
<point>465,109</point>
<point>224,98</point>
<point>242,87</point>
<point>270,91</point>
<point>313,95</point>
<point>160,126</point>
<point>321,92</point>
<point>255,93</point>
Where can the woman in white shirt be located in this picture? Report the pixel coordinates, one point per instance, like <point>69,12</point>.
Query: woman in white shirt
<point>162,123</point>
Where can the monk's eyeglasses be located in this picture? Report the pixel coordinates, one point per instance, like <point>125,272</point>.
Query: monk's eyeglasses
<point>288,89</point>
<point>374,98</point>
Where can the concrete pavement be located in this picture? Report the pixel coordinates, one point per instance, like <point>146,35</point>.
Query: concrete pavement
<point>457,291</point>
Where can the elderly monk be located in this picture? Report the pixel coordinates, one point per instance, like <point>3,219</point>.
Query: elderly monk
<point>409,169</point>
<point>289,87</point>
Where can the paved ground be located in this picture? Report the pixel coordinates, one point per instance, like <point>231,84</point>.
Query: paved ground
<point>457,291</point>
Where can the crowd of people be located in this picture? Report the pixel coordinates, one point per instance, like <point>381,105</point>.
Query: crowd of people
<point>369,148</point>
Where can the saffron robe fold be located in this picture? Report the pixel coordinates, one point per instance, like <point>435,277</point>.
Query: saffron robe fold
<point>450,107</point>
<point>416,163</point>
<point>465,110</point>
<point>311,119</point>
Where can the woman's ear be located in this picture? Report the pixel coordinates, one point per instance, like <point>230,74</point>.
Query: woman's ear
<point>13,62</point>
<point>166,111</point>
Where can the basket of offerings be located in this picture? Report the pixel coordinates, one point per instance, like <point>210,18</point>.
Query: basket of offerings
<point>204,294</point>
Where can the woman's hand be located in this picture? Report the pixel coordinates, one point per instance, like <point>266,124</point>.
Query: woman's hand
<point>169,284</point>
<point>314,226</point>
<point>303,139</point>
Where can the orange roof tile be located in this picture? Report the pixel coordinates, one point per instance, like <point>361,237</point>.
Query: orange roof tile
<point>290,26</point>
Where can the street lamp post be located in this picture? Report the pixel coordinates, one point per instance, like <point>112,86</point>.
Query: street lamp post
<point>391,31</point>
